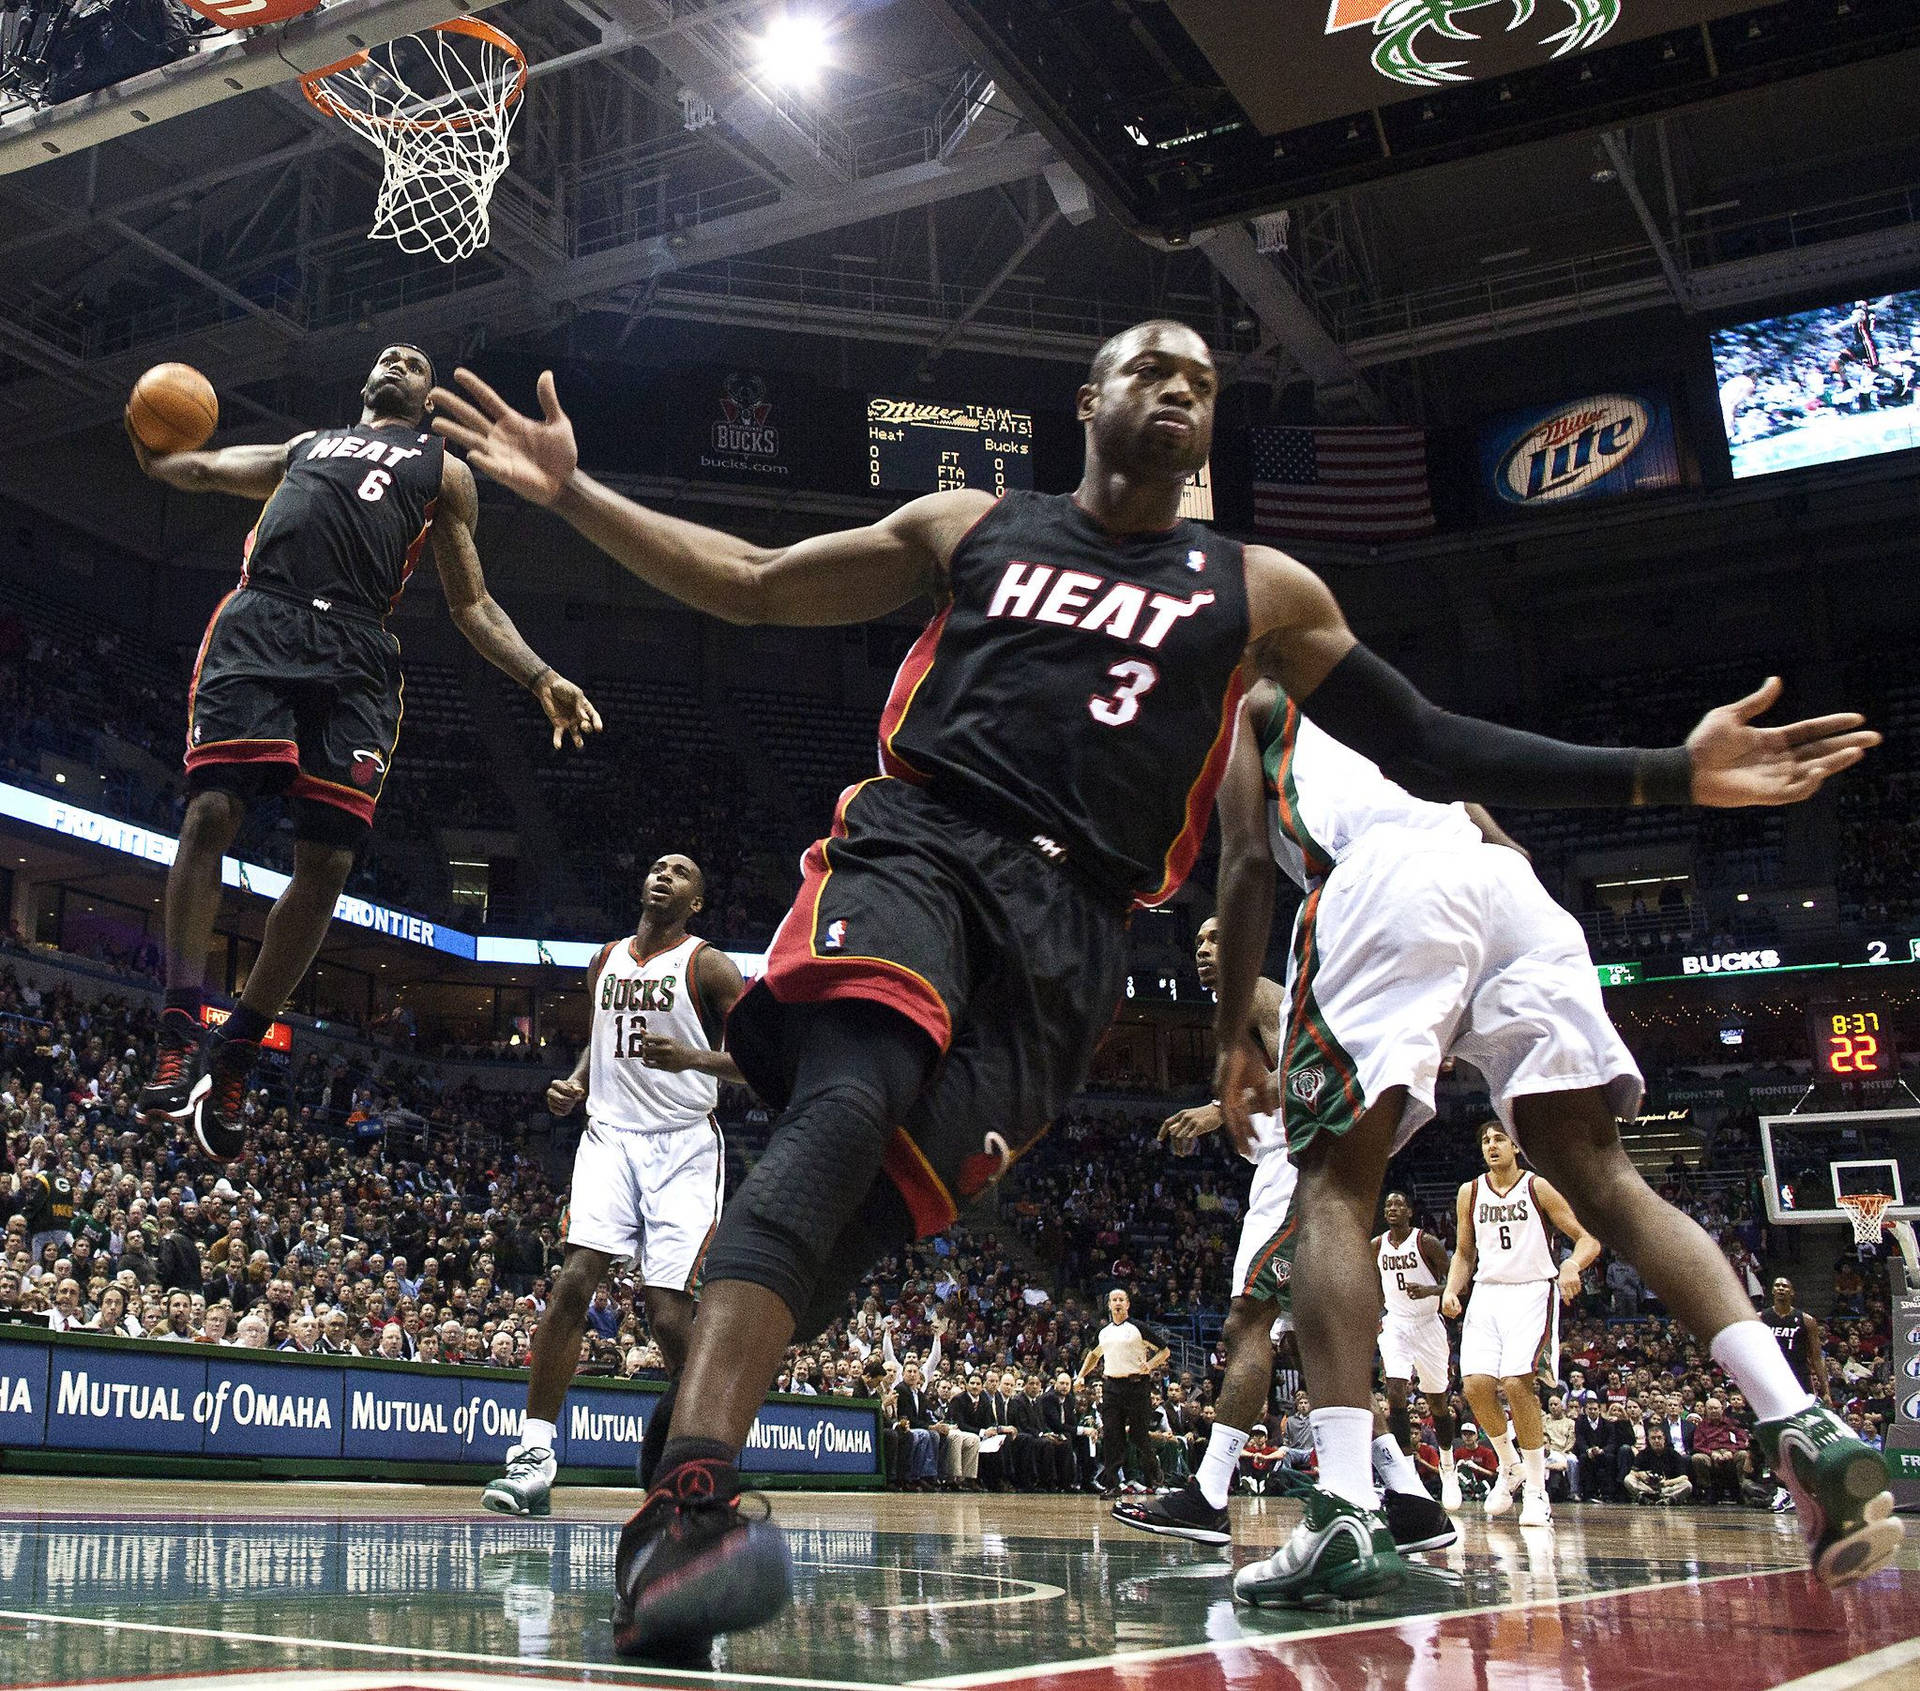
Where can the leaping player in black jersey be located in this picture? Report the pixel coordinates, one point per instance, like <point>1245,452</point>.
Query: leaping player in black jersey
<point>297,690</point>
<point>1051,747</point>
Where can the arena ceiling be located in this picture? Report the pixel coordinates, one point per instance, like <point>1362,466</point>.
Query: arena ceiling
<point>928,196</point>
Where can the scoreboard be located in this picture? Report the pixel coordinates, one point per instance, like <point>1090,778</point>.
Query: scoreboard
<point>1851,1039</point>
<point>915,446</point>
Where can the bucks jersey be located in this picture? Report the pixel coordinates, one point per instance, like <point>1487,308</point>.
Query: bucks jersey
<point>1322,796</point>
<point>1510,1235</point>
<point>1403,1267</point>
<point>1078,690</point>
<point>344,528</point>
<point>634,995</point>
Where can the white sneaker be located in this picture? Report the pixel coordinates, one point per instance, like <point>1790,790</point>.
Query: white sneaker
<point>1535,1510</point>
<point>526,1488</point>
<point>1500,1499</point>
<point>1450,1490</point>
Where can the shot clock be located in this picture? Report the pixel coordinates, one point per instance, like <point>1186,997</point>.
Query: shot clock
<point>1852,1040</point>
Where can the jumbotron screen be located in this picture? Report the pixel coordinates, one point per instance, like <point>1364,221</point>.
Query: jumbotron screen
<point>1819,386</point>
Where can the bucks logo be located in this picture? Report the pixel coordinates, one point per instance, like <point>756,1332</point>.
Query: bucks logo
<point>1306,1084</point>
<point>1402,25</point>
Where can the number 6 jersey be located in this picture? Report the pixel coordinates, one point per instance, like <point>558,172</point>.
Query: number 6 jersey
<point>632,997</point>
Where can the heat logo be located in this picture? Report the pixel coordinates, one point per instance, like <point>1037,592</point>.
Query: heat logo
<point>368,767</point>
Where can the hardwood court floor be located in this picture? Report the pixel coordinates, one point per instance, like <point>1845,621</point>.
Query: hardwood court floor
<point>351,1587</point>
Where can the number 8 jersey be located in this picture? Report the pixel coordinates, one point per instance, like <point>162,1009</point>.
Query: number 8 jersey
<point>1078,690</point>
<point>632,997</point>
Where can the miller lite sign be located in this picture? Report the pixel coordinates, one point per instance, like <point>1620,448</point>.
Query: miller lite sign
<point>1586,448</point>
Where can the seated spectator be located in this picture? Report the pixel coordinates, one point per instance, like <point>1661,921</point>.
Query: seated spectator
<point>1563,1464</point>
<point>1659,1472</point>
<point>1719,1455</point>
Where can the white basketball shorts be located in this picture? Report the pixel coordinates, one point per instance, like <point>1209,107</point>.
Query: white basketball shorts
<point>1417,1351</point>
<point>1413,950</point>
<point>653,1198</point>
<point>1505,1333</point>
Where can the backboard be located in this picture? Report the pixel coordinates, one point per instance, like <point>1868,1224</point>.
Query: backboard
<point>1813,1160</point>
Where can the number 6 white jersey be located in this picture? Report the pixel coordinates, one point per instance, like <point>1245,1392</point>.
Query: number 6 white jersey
<point>632,997</point>
<point>1509,1235</point>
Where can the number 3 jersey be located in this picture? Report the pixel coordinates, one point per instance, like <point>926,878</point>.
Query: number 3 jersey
<point>634,995</point>
<point>1078,690</point>
<point>345,526</point>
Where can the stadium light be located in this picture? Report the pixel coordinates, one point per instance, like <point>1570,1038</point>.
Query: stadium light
<point>794,49</point>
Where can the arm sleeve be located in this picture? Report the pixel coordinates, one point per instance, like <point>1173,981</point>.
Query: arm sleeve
<point>1369,705</point>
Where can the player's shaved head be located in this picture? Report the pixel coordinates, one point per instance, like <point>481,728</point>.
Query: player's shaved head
<point>1176,337</point>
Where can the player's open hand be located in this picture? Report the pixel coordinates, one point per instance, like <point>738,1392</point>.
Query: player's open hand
<point>563,1096</point>
<point>1736,763</point>
<point>536,458</point>
<point>569,710</point>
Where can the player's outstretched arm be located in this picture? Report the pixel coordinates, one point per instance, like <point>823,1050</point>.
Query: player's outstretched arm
<point>1465,1250</point>
<point>1301,640</point>
<point>1245,914</point>
<point>487,628</point>
<point>851,576</point>
<point>1586,1248</point>
<point>249,472</point>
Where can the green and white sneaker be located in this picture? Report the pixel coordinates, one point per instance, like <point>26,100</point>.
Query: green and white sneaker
<point>1338,1551</point>
<point>526,1488</point>
<point>1840,1492</point>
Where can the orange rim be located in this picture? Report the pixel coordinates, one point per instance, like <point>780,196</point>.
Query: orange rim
<point>313,85</point>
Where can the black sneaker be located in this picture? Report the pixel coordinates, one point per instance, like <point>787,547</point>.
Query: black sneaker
<point>221,1095</point>
<point>1185,1513</point>
<point>176,1063</point>
<point>1417,1523</point>
<point>689,1568</point>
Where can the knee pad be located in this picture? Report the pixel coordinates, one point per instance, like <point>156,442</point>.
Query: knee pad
<point>785,1221</point>
<point>329,825</point>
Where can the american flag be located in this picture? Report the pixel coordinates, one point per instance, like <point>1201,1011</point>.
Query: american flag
<point>1366,484</point>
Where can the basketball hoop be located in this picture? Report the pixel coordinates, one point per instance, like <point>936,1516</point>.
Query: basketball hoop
<point>1867,1211</point>
<point>439,106</point>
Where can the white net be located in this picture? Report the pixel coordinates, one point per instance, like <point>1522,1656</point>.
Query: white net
<point>439,105</point>
<point>1867,1211</point>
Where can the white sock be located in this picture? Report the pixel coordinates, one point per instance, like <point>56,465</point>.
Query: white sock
<point>1220,1464</point>
<point>537,1435</point>
<point>1343,1439</point>
<point>1395,1468</point>
<point>1446,1461</point>
<point>1759,1367</point>
<point>1535,1462</point>
<point>1503,1448</point>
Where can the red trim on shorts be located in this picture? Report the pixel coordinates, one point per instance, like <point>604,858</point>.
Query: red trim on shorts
<point>1260,1262</point>
<point>244,751</point>
<point>354,803</point>
<point>1185,850</point>
<point>914,669</point>
<point>798,974</point>
<point>928,1201</point>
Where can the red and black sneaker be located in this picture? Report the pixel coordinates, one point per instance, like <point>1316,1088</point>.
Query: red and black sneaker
<point>690,1566</point>
<point>176,1066</point>
<point>221,1095</point>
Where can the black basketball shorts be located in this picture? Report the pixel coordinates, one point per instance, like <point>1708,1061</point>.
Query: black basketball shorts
<point>1007,962</point>
<point>307,701</point>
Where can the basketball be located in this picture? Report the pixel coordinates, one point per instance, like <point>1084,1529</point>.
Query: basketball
<point>173,408</point>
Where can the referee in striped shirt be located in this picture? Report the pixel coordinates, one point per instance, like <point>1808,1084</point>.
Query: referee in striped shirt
<point>1131,1354</point>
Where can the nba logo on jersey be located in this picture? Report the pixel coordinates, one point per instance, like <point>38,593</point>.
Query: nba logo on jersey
<point>1305,1084</point>
<point>1196,560</point>
<point>836,934</point>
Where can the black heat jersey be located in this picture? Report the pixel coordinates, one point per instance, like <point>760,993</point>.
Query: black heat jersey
<point>344,529</point>
<point>1079,689</point>
<point>1789,1332</point>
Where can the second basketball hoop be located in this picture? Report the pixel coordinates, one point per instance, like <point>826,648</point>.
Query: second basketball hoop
<point>439,105</point>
